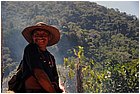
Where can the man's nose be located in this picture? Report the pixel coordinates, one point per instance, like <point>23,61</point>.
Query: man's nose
<point>40,37</point>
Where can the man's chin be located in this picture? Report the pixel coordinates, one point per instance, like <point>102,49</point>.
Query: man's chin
<point>42,46</point>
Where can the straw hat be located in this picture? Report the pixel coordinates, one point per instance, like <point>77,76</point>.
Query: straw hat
<point>54,32</point>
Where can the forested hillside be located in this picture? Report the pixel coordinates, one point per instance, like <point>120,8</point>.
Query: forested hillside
<point>107,41</point>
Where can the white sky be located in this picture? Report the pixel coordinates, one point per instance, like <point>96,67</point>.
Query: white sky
<point>130,7</point>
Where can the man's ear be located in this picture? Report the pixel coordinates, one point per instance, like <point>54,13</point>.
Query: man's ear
<point>50,37</point>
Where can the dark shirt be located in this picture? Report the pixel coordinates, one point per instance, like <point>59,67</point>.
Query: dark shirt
<point>34,58</point>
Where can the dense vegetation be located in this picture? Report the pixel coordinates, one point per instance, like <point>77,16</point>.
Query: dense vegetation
<point>106,40</point>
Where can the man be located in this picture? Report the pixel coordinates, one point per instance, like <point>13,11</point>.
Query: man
<point>39,63</point>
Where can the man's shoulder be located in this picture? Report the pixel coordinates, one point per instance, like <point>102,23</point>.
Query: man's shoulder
<point>50,54</point>
<point>30,46</point>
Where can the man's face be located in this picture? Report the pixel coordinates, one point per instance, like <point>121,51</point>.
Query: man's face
<point>41,37</point>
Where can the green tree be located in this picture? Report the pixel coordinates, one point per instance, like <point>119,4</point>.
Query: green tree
<point>97,78</point>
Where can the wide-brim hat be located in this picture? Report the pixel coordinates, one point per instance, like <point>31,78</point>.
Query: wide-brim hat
<point>54,32</point>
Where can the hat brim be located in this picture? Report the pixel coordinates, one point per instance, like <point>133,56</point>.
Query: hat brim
<point>55,34</point>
